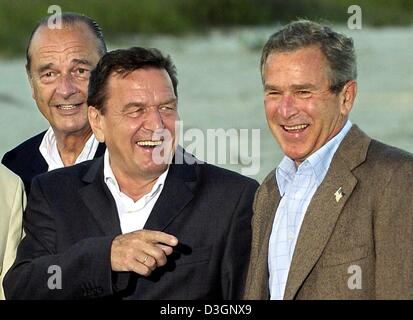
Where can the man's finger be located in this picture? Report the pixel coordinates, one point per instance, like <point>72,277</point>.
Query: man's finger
<point>166,249</point>
<point>160,237</point>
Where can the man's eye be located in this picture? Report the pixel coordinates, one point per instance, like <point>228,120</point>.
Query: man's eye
<point>167,107</point>
<point>48,74</point>
<point>304,93</point>
<point>82,72</point>
<point>135,112</point>
<point>273,93</point>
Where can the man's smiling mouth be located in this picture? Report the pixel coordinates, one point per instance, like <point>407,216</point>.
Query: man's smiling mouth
<point>149,143</point>
<point>68,106</point>
<point>295,128</point>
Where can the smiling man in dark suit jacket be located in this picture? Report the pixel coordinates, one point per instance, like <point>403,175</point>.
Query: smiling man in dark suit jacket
<point>131,225</point>
<point>334,220</point>
<point>59,61</point>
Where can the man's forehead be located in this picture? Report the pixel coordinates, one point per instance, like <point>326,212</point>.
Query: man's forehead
<point>307,55</point>
<point>308,62</point>
<point>77,36</point>
<point>141,86</point>
<point>304,62</point>
<point>71,54</point>
<point>141,79</point>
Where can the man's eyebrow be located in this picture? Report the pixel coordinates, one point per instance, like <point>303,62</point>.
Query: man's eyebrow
<point>308,86</point>
<point>304,86</point>
<point>50,65</point>
<point>45,67</point>
<point>81,61</point>
<point>132,104</point>
<point>269,87</point>
<point>172,100</point>
<point>143,105</point>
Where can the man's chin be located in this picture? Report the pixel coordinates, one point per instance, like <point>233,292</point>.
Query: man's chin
<point>155,170</point>
<point>71,130</point>
<point>162,156</point>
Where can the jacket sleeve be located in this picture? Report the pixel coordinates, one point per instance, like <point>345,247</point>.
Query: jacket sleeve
<point>237,250</point>
<point>393,237</point>
<point>14,232</point>
<point>40,272</point>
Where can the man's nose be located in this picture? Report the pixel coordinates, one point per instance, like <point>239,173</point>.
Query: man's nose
<point>66,86</point>
<point>287,107</point>
<point>153,119</point>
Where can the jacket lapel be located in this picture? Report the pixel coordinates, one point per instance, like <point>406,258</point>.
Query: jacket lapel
<point>268,204</point>
<point>325,208</point>
<point>99,200</point>
<point>38,163</point>
<point>176,193</point>
<point>100,151</point>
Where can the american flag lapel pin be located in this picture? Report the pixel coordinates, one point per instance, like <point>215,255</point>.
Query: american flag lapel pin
<point>338,194</point>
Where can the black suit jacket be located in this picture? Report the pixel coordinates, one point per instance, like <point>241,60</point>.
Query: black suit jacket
<point>27,162</point>
<point>71,220</point>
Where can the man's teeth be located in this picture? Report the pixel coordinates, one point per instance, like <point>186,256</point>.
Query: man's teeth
<point>67,106</point>
<point>149,143</point>
<point>297,127</point>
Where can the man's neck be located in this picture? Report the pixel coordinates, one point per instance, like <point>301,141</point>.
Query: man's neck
<point>71,145</point>
<point>135,188</point>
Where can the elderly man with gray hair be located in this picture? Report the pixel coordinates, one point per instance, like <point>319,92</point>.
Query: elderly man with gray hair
<point>58,66</point>
<point>334,219</point>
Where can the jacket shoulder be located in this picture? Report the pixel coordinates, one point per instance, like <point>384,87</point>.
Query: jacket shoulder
<point>387,153</point>
<point>210,173</point>
<point>10,187</point>
<point>381,157</point>
<point>223,176</point>
<point>267,187</point>
<point>65,174</point>
<point>7,178</point>
<point>7,175</point>
<point>384,164</point>
<point>24,151</point>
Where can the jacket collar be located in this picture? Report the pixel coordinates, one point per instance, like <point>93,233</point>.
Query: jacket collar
<point>177,192</point>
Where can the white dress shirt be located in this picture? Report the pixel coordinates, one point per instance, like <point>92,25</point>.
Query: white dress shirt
<point>50,153</point>
<point>297,187</point>
<point>132,215</point>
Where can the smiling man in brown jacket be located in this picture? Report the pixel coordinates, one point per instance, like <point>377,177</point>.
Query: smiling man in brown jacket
<point>335,219</point>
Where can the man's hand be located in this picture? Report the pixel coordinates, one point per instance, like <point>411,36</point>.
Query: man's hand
<point>141,251</point>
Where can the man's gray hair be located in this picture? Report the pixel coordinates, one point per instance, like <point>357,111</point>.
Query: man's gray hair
<point>336,47</point>
<point>69,19</point>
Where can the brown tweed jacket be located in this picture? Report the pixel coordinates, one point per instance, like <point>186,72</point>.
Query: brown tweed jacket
<point>367,233</point>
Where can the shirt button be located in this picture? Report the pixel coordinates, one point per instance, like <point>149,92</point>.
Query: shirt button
<point>290,235</point>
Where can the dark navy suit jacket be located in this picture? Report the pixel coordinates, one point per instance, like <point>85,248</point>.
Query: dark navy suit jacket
<point>27,162</point>
<point>71,220</point>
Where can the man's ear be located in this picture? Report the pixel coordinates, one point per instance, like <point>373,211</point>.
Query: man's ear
<point>29,77</point>
<point>95,120</point>
<point>347,97</point>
